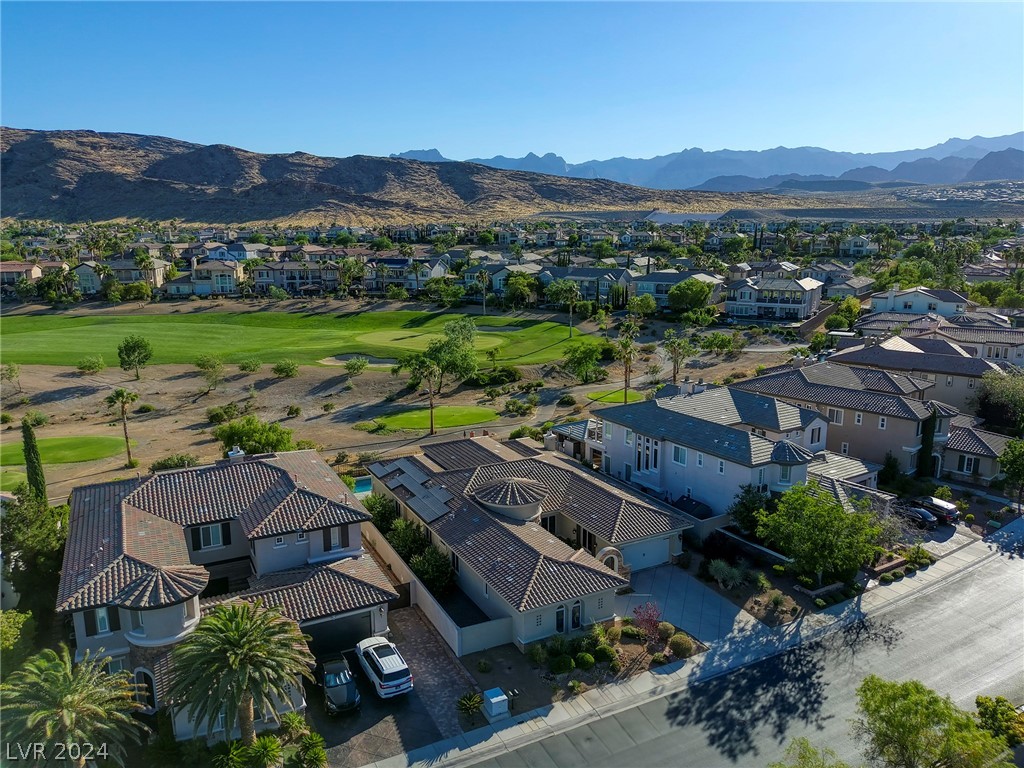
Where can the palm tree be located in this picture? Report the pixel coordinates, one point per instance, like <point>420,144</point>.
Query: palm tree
<point>53,701</point>
<point>240,656</point>
<point>419,269</point>
<point>123,398</point>
<point>564,291</point>
<point>483,279</point>
<point>627,351</point>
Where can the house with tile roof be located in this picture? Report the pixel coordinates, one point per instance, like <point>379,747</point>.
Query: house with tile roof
<point>871,413</point>
<point>658,285</point>
<point>988,342</point>
<point>595,283</point>
<point>972,455</point>
<point>758,298</point>
<point>504,512</point>
<point>704,443</point>
<point>146,557</point>
<point>13,271</point>
<point>920,301</point>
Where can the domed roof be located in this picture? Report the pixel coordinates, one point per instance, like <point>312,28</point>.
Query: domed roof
<point>786,452</point>
<point>511,492</point>
<point>163,586</point>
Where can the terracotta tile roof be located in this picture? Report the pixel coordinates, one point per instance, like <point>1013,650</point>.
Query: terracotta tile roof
<point>315,592</point>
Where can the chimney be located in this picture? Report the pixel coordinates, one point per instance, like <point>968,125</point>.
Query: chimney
<point>890,298</point>
<point>797,361</point>
<point>235,454</point>
<point>699,387</point>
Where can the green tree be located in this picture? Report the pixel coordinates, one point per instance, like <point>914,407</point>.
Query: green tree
<point>286,369</point>
<point>485,239</point>
<point>52,700</point>
<point>626,350</point>
<point>801,753</point>
<point>689,295</point>
<point>11,372</point>
<point>407,539</point>
<point>240,656</point>
<point>17,636</point>
<point>1005,390</point>
<point>424,369</point>
<point>212,370</point>
<point>582,361</point>
<point>519,289</point>
<point>1011,462</point>
<point>254,436</point>
<point>906,725</point>
<point>122,398</point>
<point>678,349</point>
<point>33,461</point>
<point>381,244</point>
<point>818,533</point>
<point>564,292</point>
<point>175,461</point>
<point>747,507</point>
<point>435,571</point>
<point>134,352</point>
<point>642,306</point>
<point>999,717</point>
<point>32,537</point>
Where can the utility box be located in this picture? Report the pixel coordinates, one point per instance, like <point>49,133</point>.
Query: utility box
<point>495,705</point>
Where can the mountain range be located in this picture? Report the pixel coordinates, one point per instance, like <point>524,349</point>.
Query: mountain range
<point>729,170</point>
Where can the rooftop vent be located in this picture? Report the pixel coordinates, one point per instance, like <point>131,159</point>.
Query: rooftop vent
<point>235,453</point>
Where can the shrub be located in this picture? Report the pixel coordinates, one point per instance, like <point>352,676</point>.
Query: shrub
<point>885,578</point>
<point>779,569</point>
<point>286,369</point>
<point>584,661</point>
<point>581,644</point>
<point>525,431</point>
<point>603,653</point>
<point>968,519</point>
<point>615,667</point>
<point>566,400</point>
<point>294,411</point>
<point>469,704</point>
<point>805,581</point>
<point>778,600</point>
<point>221,414</point>
<point>819,602</point>
<point>349,481</point>
<point>266,752</point>
<point>6,418</point>
<point>310,742</point>
<point>36,419</point>
<point>633,632</point>
<point>597,634</point>
<point>576,686</point>
<point>659,658</point>
<point>557,646</point>
<point>496,377</point>
<point>613,635</point>
<point>763,584</point>
<point>314,758</point>
<point>537,654</point>
<point>518,407</point>
<point>293,726</point>
<point>175,461</point>
<point>250,365</point>
<point>898,573</point>
<point>909,569</point>
<point>327,407</point>
<point>666,630</point>
<point>91,364</point>
<point>145,408</point>
<point>681,645</point>
<point>484,666</point>
<point>559,665</point>
<point>727,576</point>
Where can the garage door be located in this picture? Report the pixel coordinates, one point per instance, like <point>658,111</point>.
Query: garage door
<point>646,554</point>
<point>337,635</point>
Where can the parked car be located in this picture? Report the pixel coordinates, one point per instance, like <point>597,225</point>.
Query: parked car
<point>945,511</point>
<point>919,516</point>
<point>385,667</point>
<point>340,693</point>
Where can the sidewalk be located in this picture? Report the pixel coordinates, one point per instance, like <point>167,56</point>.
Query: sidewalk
<point>732,652</point>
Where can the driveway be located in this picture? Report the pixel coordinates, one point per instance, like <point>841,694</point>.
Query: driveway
<point>686,602</point>
<point>381,728</point>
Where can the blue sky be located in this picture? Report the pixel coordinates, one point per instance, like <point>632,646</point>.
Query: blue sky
<point>583,80</point>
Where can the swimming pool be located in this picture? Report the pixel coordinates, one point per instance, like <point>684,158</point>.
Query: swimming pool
<point>364,484</point>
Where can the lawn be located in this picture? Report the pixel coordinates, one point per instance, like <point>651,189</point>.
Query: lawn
<point>9,479</point>
<point>271,336</point>
<point>63,450</point>
<point>444,416</point>
<point>615,396</point>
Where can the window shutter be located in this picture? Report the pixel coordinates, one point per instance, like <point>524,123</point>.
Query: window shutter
<point>90,623</point>
<point>114,618</point>
<point>225,534</point>
<point>327,539</point>
<point>344,537</point>
<point>197,540</point>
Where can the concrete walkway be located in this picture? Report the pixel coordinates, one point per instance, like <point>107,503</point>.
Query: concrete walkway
<point>743,646</point>
<point>687,603</point>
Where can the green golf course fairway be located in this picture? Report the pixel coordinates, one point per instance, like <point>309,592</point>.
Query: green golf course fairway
<point>64,450</point>
<point>444,416</point>
<point>271,336</point>
<point>9,479</point>
<point>615,396</point>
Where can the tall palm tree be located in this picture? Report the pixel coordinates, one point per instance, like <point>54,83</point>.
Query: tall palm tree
<point>240,656</point>
<point>53,701</point>
<point>627,351</point>
<point>483,279</point>
<point>122,398</point>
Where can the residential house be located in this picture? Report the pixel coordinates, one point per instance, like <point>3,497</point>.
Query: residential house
<point>242,251</point>
<point>704,443</point>
<point>503,512</point>
<point>411,274</point>
<point>857,247</point>
<point>982,273</point>
<point>595,283</point>
<point>13,271</point>
<point>591,236</point>
<point>639,239</point>
<point>773,298</point>
<point>217,278</point>
<point>857,287</point>
<point>986,342</point>
<point>972,455</point>
<point>774,269</point>
<point>955,373</point>
<point>920,301</point>
<point>147,557</point>
<point>871,413</point>
<point>658,285</point>
<point>127,271</point>
<point>716,241</point>
<point>510,237</point>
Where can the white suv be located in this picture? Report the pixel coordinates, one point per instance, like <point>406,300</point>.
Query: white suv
<point>385,667</point>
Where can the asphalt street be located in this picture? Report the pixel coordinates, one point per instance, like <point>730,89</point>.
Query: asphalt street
<point>963,638</point>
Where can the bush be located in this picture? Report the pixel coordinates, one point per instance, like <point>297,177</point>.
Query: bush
<point>613,635</point>
<point>576,686</point>
<point>525,431</point>
<point>310,742</point>
<point>356,365</point>
<point>885,578</point>
<point>584,661</point>
<point>819,602</point>
<point>557,646</point>
<point>265,752</point>
<point>6,418</point>
<point>898,573</point>
<point>175,461</point>
<point>221,414</point>
<point>314,758</point>
<point>294,411</point>
<point>778,601</point>
<point>293,726</point>
<point>518,407</point>
<point>762,582</point>
<point>537,655</point>
<point>603,653</point>
<point>633,632</point>
<point>469,704</point>
<point>681,646</point>
<point>145,408</point>
<point>666,630</point>
<point>484,666</point>
<point>659,658</point>
<point>496,377</point>
<point>943,492</point>
<point>909,569</point>
<point>567,400</point>
<point>286,369</point>
<point>91,364</point>
<point>805,581</point>
<point>615,667</point>
<point>36,419</point>
<point>968,519</point>
<point>250,365</point>
<point>559,665</point>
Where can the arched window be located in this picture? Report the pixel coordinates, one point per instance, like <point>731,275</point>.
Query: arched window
<point>577,615</point>
<point>610,562</point>
<point>146,689</point>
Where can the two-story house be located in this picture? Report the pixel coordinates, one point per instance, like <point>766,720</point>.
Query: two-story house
<point>988,342</point>
<point>920,301</point>
<point>217,278</point>
<point>857,247</point>
<point>773,298</point>
<point>146,557</point>
<point>595,283</point>
<point>658,285</point>
<point>11,272</point>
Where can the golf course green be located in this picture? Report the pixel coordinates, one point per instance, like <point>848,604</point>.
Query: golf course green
<point>615,396</point>
<point>64,450</point>
<point>271,336</point>
<point>10,479</point>
<point>444,416</point>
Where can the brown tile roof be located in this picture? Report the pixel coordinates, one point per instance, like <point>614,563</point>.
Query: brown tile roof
<point>315,592</point>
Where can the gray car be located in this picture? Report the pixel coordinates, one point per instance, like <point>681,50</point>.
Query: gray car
<point>340,694</point>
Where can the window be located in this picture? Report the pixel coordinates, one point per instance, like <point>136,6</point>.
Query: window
<point>949,381</point>
<point>102,621</point>
<point>600,603</point>
<point>760,476</point>
<point>145,689</point>
<point>932,306</point>
<point>560,619</point>
<point>455,562</point>
<point>908,305</point>
<point>970,383</point>
<point>539,620</point>
<point>218,724</point>
<point>965,464</point>
<point>335,538</point>
<point>210,536</point>
<point>700,459</point>
<point>577,615</point>
<point>816,435</point>
<point>679,455</point>
<point>629,437</point>
<point>721,467</point>
<point>548,523</point>
<point>137,621</point>
<point>835,415</point>
<point>784,474</point>
<point>881,422</point>
<point>858,418</point>
<point>587,540</point>
<point>279,542</point>
<point>116,665</point>
<point>430,535</point>
<point>189,609</point>
<point>300,536</point>
<point>844,449</point>
<point>646,454</point>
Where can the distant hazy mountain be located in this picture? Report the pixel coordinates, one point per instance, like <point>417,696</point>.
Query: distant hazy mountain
<point>424,156</point>
<point>1007,164</point>
<point>693,168</point>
